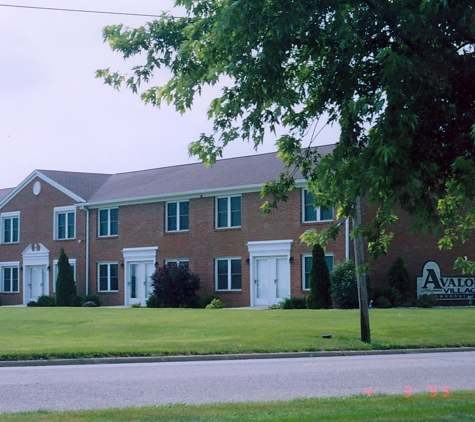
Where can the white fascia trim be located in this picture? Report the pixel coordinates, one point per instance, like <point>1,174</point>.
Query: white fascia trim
<point>269,247</point>
<point>168,197</point>
<point>140,254</point>
<point>29,179</point>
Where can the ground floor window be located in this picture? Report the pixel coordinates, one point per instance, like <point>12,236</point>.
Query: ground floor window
<point>10,282</point>
<point>307,264</point>
<point>228,274</point>
<point>178,262</point>
<point>108,277</point>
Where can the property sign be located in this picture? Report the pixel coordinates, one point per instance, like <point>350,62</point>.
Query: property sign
<point>444,287</point>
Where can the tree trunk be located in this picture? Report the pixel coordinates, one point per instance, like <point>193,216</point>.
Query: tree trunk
<point>361,278</point>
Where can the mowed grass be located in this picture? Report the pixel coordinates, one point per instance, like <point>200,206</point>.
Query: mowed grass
<point>459,406</point>
<point>28,333</point>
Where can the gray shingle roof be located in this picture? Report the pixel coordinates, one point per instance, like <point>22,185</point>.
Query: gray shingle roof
<point>225,174</point>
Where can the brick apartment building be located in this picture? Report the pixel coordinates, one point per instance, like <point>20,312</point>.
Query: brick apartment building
<point>116,228</point>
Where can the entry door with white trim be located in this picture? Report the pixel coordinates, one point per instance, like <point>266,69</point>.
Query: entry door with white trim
<point>138,283</point>
<point>271,280</point>
<point>35,283</point>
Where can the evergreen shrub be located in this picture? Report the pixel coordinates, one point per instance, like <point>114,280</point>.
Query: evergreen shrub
<point>398,277</point>
<point>384,295</point>
<point>65,285</point>
<point>293,302</point>
<point>319,296</point>
<point>173,286</point>
<point>45,301</point>
<point>344,285</point>
<point>426,301</point>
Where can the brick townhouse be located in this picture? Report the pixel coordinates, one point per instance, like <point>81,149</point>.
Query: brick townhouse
<point>117,228</point>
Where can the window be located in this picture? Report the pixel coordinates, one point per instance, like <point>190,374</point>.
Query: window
<point>228,212</point>
<point>108,277</point>
<point>228,274</point>
<point>10,279</point>
<point>11,227</point>
<point>177,216</point>
<point>109,222</point>
<point>307,264</point>
<point>65,223</point>
<point>72,262</point>
<point>312,213</point>
<point>178,262</point>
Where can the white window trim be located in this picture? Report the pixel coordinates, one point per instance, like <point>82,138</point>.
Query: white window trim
<point>317,212</point>
<point>226,258</point>
<point>108,277</point>
<point>108,222</point>
<point>177,261</point>
<point>72,262</point>
<point>14,264</point>
<point>228,226</point>
<point>307,255</point>
<point>178,229</point>
<point>64,210</point>
<point>4,216</point>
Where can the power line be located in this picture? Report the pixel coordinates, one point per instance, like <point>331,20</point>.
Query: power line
<point>80,11</point>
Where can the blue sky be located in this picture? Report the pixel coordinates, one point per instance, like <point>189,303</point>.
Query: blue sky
<point>54,113</point>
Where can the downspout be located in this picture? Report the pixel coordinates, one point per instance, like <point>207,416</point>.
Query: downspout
<point>347,236</point>
<point>86,209</point>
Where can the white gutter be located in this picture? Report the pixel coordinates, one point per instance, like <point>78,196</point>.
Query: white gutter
<point>86,209</point>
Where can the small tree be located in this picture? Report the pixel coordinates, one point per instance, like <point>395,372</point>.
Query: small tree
<point>174,286</point>
<point>65,285</point>
<point>320,287</point>
<point>398,277</point>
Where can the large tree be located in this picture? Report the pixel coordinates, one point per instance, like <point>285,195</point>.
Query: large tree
<point>397,76</point>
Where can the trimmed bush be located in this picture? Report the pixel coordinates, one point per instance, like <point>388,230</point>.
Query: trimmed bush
<point>215,304</point>
<point>173,286</point>
<point>398,277</point>
<point>45,301</point>
<point>294,302</point>
<point>205,300</point>
<point>319,296</point>
<point>91,298</point>
<point>31,304</point>
<point>344,285</point>
<point>65,285</point>
<point>389,293</point>
<point>426,301</point>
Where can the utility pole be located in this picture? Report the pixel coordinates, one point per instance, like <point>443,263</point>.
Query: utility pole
<point>361,277</point>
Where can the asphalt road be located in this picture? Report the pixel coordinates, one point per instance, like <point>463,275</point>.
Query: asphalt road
<point>119,385</point>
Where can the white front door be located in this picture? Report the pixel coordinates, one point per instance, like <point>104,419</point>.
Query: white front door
<point>272,280</point>
<point>138,282</point>
<point>35,281</point>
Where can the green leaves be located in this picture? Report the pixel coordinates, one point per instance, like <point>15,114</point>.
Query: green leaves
<point>398,77</point>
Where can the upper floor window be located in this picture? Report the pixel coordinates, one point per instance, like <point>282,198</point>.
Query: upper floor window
<point>9,276</point>
<point>178,216</point>
<point>11,227</point>
<point>109,222</point>
<point>108,277</point>
<point>65,223</point>
<point>228,274</point>
<point>312,213</point>
<point>228,212</point>
<point>307,265</point>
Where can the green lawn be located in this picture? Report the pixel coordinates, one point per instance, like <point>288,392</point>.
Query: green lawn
<point>459,406</point>
<point>84,332</point>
